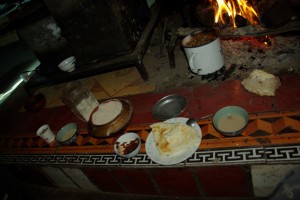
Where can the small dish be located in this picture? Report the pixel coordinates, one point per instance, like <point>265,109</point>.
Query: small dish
<point>231,120</point>
<point>169,107</point>
<point>128,145</point>
<point>67,134</point>
<point>68,64</point>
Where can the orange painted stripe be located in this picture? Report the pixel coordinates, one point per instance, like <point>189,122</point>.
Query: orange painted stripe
<point>264,129</point>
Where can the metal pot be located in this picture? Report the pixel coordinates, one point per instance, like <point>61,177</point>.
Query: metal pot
<point>203,52</point>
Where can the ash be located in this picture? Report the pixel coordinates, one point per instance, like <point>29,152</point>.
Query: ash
<point>275,55</point>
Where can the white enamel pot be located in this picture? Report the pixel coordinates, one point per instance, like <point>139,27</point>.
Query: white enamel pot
<point>204,59</point>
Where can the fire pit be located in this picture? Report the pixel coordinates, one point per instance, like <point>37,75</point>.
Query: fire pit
<point>252,37</point>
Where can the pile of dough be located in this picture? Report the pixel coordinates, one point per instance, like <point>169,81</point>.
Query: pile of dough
<point>173,137</point>
<point>107,112</point>
<point>261,83</point>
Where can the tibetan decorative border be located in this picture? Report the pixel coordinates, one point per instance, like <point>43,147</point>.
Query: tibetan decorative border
<point>253,155</point>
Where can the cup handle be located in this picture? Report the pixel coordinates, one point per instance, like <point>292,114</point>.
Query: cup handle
<point>191,60</point>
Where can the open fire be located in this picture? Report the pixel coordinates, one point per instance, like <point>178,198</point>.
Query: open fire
<point>255,34</point>
<point>234,9</point>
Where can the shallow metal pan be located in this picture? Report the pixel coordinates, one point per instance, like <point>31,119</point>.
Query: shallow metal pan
<point>169,106</point>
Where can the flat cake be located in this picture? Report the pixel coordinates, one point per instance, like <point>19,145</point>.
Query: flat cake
<point>107,112</point>
<point>261,83</point>
<point>173,137</point>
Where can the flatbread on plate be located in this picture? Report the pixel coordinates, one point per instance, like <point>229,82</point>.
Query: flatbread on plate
<point>173,137</point>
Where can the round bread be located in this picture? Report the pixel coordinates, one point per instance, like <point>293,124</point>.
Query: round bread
<point>261,83</point>
<point>107,112</point>
<point>173,137</point>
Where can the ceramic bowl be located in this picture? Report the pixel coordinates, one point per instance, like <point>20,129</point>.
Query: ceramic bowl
<point>67,134</point>
<point>68,64</point>
<point>128,145</point>
<point>231,120</point>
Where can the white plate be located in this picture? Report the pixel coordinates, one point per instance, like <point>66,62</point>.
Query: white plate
<point>155,156</point>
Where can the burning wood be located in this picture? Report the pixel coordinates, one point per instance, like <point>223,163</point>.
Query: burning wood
<point>250,18</point>
<point>270,17</point>
<point>258,30</point>
<point>269,41</point>
<point>233,9</point>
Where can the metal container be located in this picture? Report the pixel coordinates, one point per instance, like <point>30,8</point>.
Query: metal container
<point>203,58</point>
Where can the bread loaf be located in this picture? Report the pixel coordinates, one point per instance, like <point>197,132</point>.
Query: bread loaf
<point>261,83</point>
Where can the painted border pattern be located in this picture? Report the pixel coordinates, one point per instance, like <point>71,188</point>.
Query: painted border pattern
<point>250,155</point>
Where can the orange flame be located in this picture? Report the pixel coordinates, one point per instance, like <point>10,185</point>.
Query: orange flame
<point>233,8</point>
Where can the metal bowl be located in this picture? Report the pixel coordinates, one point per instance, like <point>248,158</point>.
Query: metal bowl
<point>169,106</point>
<point>234,117</point>
<point>109,129</point>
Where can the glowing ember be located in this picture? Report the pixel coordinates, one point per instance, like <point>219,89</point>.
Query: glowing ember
<point>232,8</point>
<point>262,42</point>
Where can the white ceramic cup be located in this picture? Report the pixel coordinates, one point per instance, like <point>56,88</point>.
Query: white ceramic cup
<point>204,59</point>
<point>68,64</point>
<point>46,133</point>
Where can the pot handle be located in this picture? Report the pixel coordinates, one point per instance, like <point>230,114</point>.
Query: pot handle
<point>191,60</point>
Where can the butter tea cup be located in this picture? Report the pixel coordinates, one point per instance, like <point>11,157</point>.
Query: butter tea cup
<point>67,134</point>
<point>46,133</point>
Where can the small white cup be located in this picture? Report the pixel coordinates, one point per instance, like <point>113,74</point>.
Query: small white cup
<point>67,64</point>
<point>46,133</point>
